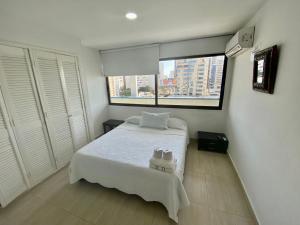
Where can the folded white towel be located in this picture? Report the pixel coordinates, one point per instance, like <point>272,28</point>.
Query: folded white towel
<point>168,166</point>
<point>157,153</point>
<point>167,155</point>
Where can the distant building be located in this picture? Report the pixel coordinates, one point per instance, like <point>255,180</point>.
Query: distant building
<point>168,87</point>
<point>115,84</point>
<point>215,76</point>
<point>135,82</point>
<point>199,76</point>
<point>189,74</point>
<point>194,77</point>
<point>144,81</point>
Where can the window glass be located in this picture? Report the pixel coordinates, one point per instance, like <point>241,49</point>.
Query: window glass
<point>138,89</point>
<point>191,81</point>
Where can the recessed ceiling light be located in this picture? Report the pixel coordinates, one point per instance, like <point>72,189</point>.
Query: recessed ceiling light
<point>131,15</point>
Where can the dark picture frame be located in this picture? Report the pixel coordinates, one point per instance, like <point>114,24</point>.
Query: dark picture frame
<point>264,70</point>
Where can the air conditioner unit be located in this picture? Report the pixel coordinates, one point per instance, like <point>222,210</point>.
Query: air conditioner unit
<point>240,42</point>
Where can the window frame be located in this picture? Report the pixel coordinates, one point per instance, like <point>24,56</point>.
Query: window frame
<point>156,105</point>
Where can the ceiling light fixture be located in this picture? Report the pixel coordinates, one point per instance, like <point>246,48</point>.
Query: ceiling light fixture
<point>131,15</point>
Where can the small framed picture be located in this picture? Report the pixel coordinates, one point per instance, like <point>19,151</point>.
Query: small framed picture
<point>264,70</point>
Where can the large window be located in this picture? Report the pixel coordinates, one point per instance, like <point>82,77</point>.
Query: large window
<point>187,82</point>
<point>191,81</point>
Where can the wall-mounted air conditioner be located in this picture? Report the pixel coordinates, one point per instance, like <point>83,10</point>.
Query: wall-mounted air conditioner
<point>240,42</point>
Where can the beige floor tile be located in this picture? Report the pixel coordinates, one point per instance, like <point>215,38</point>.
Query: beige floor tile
<point>145,212</point>
<point>226,196</point>
<point>85,198</point>
<point>3,218</point>
<point>52,215</point>
<point>72,220</point>
<point>69,195</point>
<point>52,185</point>
<point>198,161</point>
<point>216,193</point>
<point>213,188</point>
<point>195,186</point>
<point>222,167</point>
<point>92,208</point>
<point>112,206</point>
<point>127,211</point>
<point>21,209</point>
<point>161,216</point>
<point>195,215</point>
<point>237,201</point>
<point>222,218</point>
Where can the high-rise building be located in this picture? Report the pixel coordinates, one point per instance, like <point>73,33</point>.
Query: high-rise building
<point>215,75</point>
<point>199,76</point>
<point>184,69</point>
<point>190,75</point>
<point>116,84</point>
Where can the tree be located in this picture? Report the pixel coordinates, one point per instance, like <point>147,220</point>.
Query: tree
<point>125,92</point>
<point>145,89</point>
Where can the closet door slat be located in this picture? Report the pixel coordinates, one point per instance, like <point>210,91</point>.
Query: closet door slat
<point>12,180</point>
<point>75,101</point>
<point>54,106</point>
<point>23,105</point>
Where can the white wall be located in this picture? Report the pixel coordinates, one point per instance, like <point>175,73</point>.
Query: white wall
<point>96,88</point>
<point>89,60</point>
<point>197,119</point>
<point>264,129</point>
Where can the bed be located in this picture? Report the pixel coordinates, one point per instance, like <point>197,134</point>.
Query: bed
<point>120,159</point>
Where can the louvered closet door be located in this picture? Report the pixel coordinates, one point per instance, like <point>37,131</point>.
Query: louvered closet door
<point>12,179</point>
<point>50,88</point>
<point>74,99</point>
<point>24,109</point>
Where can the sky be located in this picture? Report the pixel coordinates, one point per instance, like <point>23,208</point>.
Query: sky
<point>168,66</point>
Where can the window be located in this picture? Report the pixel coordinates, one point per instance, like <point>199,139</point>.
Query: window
<point>132,89</point>
<point>199,84</point>
<point>187,82</point>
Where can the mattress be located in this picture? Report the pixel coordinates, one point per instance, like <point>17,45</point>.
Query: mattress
<point>120,159</point>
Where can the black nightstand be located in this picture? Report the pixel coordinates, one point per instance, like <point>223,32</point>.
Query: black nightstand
<point>111,124</point>
<point>215,142</point>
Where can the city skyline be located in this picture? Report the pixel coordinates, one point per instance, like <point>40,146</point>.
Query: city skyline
<point>190,78</point>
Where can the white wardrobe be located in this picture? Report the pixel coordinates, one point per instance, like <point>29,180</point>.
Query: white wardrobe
<point>42,116</point>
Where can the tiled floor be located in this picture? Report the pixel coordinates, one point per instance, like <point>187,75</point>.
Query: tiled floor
<point>211,184</point>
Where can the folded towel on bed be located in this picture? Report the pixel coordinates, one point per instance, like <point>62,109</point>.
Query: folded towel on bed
<point>168,166</point>
<point>167,155</point>
<point>157,153</point>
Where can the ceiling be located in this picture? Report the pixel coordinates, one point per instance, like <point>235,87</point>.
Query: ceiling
<point>101,24</point>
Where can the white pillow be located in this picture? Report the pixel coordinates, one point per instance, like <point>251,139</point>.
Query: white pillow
<point>134,119</point>
<point>177,123</point>
<point>155,120</point>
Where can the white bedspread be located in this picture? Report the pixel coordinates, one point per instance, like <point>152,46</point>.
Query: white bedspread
<point>120,159</point>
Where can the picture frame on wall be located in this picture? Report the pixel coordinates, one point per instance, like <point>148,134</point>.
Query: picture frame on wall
<point>264,70</point>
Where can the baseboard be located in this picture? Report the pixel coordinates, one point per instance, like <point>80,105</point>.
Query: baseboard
<point>253,212</point>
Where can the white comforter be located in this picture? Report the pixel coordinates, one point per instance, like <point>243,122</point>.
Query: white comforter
<point>120,159</point>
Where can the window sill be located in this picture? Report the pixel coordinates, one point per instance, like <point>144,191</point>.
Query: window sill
<point>170,106</point>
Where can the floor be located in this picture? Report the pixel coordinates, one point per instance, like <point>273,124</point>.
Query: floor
<point>212,186</point>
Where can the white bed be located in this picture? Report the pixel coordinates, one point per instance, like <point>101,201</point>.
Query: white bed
<point>120,159</point>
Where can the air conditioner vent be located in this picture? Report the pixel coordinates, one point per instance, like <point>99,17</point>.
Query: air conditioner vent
<point>240,42</point>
